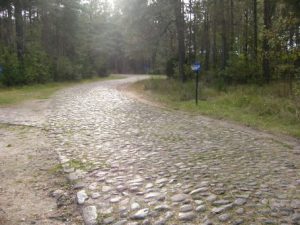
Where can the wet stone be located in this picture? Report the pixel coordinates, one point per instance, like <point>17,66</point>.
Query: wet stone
<point>121,188</point>
<point>240,211</point>
<point>211,198</point>
<point>57,194</point>
<point>81,197</point>
<point>238,222</point>
<point>224,217</point>
<point>107,211</point>
<point>115,199</point>
<point>179,197</point>
<point>141,214</point>
<point>73,176</point>
<point>196,191</point>
<point>201,208</point>
<point>164,219</point>
<point>186,208</point>
<point>93,186</point>
<point>78,186</point>
<point>155,195</point>
<point>109,220</point>
<point>121,222</point>
<point>95,195</point>
<point>207,222</point>
<point>106,188</point>
<point>135,206</point>
<point>295,204</point>
<point>240,201</point>
<point>90,215</point>
<point>221,209</point>
<point>296,218</point>
<point>160,181</point>
<point>162,208</point>
<point>146,222</point>
<point>186,216</point>
<point>149,185</point>
<point>221,202</point>
<point>199,202</point>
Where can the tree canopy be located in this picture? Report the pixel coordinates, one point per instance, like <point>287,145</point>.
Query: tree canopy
<point>238,41</point>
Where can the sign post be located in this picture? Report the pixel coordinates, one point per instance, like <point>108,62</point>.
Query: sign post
<point>196,67</point>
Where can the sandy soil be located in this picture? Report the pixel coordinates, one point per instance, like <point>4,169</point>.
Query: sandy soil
<point>29,171</point>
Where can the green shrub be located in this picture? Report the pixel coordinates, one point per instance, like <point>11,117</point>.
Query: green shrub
<point>241,70</point>
<point>189,74</point>
<point>99,65</point>
<point>170,67</point>
<point>64,69</point>
<point>36,67</point>
<point>11,74</point>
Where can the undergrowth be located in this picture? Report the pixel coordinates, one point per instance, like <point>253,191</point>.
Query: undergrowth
<point>267,107</point>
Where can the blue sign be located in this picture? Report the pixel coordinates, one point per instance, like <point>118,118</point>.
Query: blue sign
<point>196,67</point>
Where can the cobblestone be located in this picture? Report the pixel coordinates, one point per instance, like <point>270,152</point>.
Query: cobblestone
<point>158,166</point>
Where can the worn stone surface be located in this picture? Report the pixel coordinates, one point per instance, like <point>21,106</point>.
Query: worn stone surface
<point>81,197</point>
<point>179,197</point>
<point>196,169</point>
<point>186,216</point>
<point>141,214</point>
<point>90,215</point>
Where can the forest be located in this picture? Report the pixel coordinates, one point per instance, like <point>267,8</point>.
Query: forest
<point>105,120</point>
<point>237,42</point>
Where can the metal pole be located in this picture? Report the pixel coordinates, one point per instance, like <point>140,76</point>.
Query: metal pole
<point>197,86</point>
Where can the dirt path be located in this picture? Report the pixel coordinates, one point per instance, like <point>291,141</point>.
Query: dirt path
<point>29,170</point>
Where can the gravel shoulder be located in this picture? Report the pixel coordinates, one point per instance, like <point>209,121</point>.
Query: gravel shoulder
<point>30,171</point>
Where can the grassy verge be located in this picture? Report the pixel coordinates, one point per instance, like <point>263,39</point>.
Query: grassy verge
<point>259,107</point>
<point>10,96</point>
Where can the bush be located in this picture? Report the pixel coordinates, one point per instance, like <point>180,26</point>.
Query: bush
<point>33,69</point>
<point>241,70</point>
<point>11,74</point>
<point>36,67</point>
<point>64,69</point>
<point>100,65</point>
<point>170,67</point>
<point>189,74</point>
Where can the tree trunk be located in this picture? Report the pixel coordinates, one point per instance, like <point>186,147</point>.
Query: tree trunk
<point>255,36</point>
<point>232,39</point>
<point>214,36</point>
<point>246,34</point>
<point>268,8</point>
<point>19,29</point>
<point>195,32</point>
<point>224,37</point>
<point>207,39</point>
<point>10,28</point>
<point>297,32</point>
<point>180,36</point>
<point>190,32</point>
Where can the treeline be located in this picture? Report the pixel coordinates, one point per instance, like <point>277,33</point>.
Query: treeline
<point>236,41</point>
<point>244,41</point>
<point>241,41</point>
<point>56,40</point>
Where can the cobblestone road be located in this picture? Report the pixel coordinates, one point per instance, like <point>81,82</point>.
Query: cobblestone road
<point>137,164</point>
